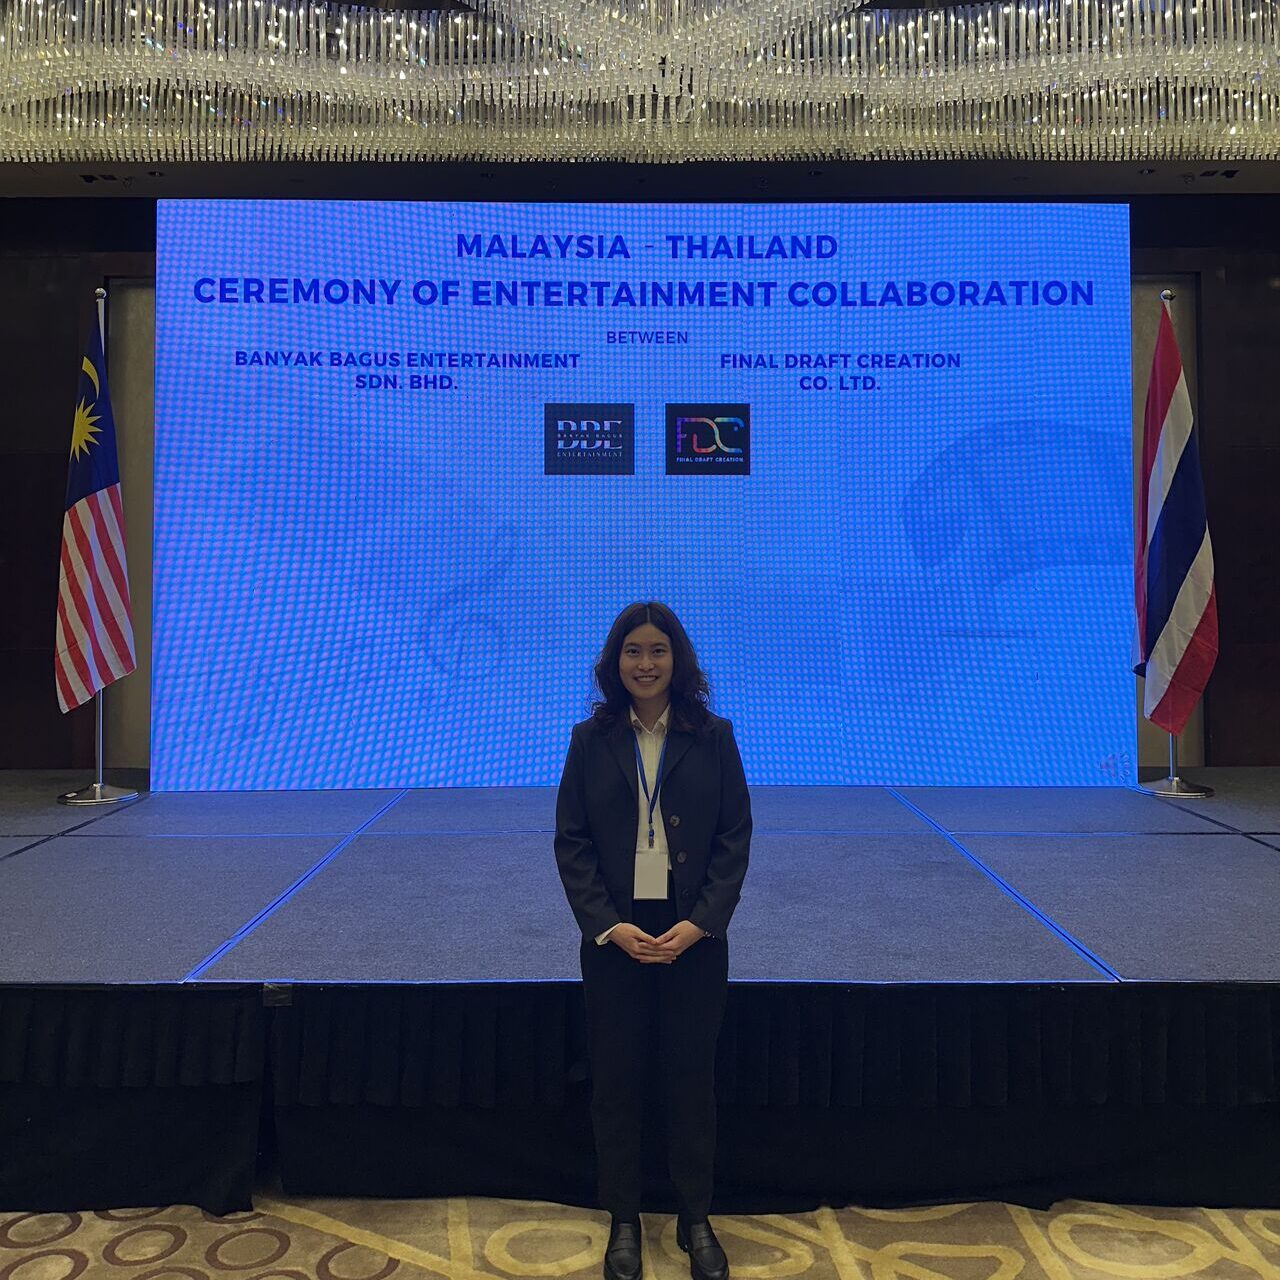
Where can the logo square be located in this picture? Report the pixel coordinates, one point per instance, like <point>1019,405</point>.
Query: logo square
<point>589,439</point>
<point>708,439</point>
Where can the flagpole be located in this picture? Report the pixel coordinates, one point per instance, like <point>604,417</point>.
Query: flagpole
<point>1172,785</point>
<point>99,792</point>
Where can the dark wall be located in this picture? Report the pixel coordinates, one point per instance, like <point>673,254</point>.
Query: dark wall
<point>53,253</point>
<point>48,304</point>
<point>1240,434</point>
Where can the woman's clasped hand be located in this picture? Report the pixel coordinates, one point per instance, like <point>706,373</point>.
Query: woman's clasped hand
<point>661,950</point>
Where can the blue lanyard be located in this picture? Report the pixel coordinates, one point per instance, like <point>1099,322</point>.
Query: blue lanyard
<point>644,781</point>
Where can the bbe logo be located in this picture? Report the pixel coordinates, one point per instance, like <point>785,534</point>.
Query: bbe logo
<point>589,439</point>
<point>709,439</point>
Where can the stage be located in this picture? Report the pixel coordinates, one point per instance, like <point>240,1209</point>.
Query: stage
<point>935,993</point>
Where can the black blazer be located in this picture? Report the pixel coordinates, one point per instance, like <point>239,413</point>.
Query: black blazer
<point>705,805</point>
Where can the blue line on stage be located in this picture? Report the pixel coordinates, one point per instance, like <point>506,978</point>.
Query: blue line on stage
<point>1009,891</point>
<point>280,899</point>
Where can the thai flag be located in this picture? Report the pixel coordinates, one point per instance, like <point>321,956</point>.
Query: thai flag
<point>1176,642</point>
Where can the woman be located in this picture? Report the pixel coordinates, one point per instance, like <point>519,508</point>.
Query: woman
<point>653,826</point>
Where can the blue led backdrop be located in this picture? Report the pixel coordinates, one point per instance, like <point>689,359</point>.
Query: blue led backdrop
<point>411,459</point>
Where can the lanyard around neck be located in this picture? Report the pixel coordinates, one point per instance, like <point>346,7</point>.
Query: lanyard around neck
<point>644,781</point>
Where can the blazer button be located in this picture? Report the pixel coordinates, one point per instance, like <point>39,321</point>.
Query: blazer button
<point>674,819</point>
<point>681,856</point>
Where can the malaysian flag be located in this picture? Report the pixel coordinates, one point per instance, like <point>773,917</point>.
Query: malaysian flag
<point>1176,642</point>
<point>95,629</point>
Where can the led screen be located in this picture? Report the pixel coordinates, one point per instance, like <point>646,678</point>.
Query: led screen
<point>411,460</point>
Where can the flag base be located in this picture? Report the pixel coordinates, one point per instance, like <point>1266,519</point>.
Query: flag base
<point>99,793</point>
<point>1175,787</point>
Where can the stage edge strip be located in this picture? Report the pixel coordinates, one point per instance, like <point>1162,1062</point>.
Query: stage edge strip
<point>284,895</point>
<point>1010,892</point>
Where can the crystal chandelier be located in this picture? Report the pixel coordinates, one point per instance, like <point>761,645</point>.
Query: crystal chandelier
<point>671,80</point>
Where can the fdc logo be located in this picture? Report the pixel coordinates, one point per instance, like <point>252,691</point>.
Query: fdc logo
<point>589,439</point>
<point>709,439</point>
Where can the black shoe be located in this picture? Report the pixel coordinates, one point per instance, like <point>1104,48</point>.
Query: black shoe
<point>706,1257</point>
<point>622,1257</point>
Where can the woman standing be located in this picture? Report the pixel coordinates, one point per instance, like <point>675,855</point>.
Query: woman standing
<point>653,827</point>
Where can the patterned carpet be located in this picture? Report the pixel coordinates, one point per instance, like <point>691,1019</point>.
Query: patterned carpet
<point>479,1239</point>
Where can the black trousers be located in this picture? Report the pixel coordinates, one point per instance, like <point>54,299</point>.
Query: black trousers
<point>665,1018</point>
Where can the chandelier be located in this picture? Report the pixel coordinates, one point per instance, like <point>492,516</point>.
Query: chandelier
<point>638,80</point>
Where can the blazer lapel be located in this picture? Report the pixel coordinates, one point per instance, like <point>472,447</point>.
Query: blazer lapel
<point>622,744</point>
<point>677,744</point>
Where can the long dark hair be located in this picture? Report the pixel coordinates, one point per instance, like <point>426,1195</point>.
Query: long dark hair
<point>689,692</point>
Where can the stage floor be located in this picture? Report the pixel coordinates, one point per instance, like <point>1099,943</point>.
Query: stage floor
<point>847,885</point>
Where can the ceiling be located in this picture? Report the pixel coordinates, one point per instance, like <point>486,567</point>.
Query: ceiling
<point>710,182</point>
<point>793,99</point>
